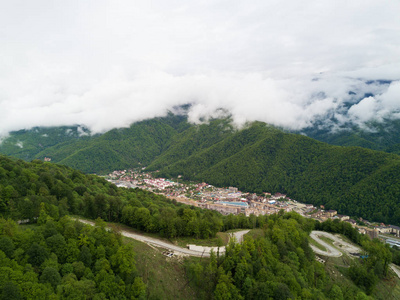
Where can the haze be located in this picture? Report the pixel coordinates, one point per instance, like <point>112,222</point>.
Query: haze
<point>106,64</point>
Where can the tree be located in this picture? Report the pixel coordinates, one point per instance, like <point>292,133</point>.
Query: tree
<point>11,291</point>
<point>37,254</point>
<point>335,293</point>
<point>137,289</point>
<point>86,256</point>
<point>124,261</point>
<point>57,244</point>
<point>282,292</point>
<point>225,288</point>
<point>7,246</point>
<point>50,275</point>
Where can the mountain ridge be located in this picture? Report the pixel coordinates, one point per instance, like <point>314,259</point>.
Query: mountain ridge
<point>257,158</point>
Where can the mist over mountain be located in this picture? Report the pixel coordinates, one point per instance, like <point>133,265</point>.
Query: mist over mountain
<point>283,63</point>
<point>256,158</point>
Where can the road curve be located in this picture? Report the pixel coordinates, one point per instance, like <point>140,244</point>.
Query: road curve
<point>239,235</point>
<point>344,246</point>
<point>395,269</point>
<point>337,241</point>
<point>165,245</point>
<point>331,251</point>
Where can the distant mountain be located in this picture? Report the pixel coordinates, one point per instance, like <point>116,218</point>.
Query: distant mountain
<point>257,158</point>
<point>27,144</point>
<point>116,149</point>
<point>383,136</point>
<point>262,158</point>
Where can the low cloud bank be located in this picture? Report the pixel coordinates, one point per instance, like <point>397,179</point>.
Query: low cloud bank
<point>107,64</point>
<point>289,103</point>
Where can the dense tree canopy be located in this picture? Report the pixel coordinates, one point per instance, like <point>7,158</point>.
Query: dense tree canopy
<point>66,260</point>
<point>257,158</point>
<point>261,158</point>
<point>281,265</point>
<point>27,190</point>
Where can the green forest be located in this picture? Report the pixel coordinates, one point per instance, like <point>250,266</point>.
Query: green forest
<point>261,158</point>
<point>281,265</point>
<point>374,135</point>
<point>257,158</point>
<point>52,256</point>
<point>66,259</point>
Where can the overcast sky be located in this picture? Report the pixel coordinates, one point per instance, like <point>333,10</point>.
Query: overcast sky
<point>106,64</point>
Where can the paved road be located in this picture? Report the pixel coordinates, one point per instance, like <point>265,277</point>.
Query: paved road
<point>239,235</point>
<point>395,269</point>
<point>337,241</point>
<point>331,251</point>
<point>169,246</point>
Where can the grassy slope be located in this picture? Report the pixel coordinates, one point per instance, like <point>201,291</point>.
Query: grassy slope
<point>165,277</point>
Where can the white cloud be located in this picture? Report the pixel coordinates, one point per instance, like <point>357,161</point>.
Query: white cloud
<point>365,110</point>
<point>385,105</point>
<point>391,99</point>
<point>105,64</point>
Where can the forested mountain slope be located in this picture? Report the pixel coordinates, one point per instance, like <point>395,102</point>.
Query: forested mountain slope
<point>116,149</point>
<point>66,260</point>
<point>262,158</point>
<point>26,144</point>
<point>258,158</point>
<point>61,259</point>
<point>374,135</point>
<point>26,187</point>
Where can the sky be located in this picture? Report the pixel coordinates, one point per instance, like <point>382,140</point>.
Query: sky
<point>106,64</point>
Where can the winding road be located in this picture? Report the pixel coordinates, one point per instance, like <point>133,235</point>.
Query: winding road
<point>330,250</point>
<point>344,246</point>
<point>156,242</point>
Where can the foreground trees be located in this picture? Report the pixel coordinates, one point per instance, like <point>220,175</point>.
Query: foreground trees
<point>281,265</point>
<point>66,260</point>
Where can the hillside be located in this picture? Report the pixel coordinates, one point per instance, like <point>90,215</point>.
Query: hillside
<point>262,158</point>
<point>58,258</point>
<point>64,259</point>
<point>27,144</point>
<point>116,149</point>
<point>374,135</point>
<point>258,158</point>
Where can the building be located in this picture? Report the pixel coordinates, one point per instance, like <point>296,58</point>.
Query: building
<point>352,222</point>
<point>393,242</point>
<point>221,208</point>
<point>331,213</point>
<point>342,217</point>
<point>372,233</point>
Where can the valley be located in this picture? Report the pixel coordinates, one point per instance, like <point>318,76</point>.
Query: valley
<point>256,158</point>
<point>44,193</point>
<point>182,188</point>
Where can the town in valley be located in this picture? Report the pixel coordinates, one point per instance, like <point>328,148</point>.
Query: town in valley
<point>232,201</point>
